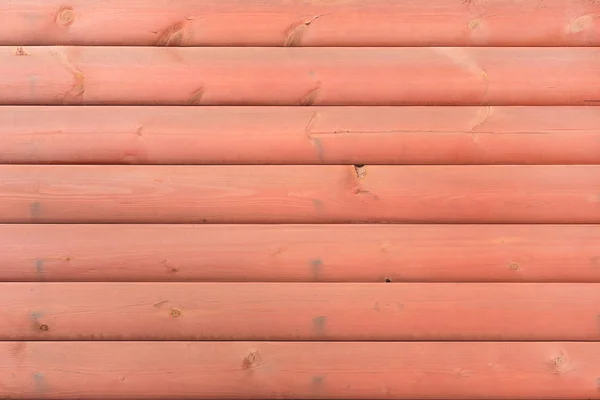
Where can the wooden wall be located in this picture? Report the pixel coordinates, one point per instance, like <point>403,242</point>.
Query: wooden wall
<point>300,199</point>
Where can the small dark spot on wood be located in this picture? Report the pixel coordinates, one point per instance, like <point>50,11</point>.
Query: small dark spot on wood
<point>388,280</point>
<point>20,52</point>
<point>68,259</point>
<point>169,268</point>
<point>204,220</point>
<point>122,379</point>
<point>175,313</point>
<point>319,325</point>
<point>44,328</point>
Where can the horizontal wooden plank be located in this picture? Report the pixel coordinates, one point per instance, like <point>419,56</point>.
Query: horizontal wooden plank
<point>299,311</point>
<point>299,76</point>
<point>301,253</point>
<point>254,370</point>
<point>300,135</point>
<point>301,23</point>
<point>306,194</point>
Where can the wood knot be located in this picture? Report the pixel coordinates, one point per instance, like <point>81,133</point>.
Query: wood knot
<point>251,360</point>
<point>582,23</point>
<point>560,363</point>
<point>360,171</point>
<point>474,24</point>
<point>44,328</point>
<point>65,16</point>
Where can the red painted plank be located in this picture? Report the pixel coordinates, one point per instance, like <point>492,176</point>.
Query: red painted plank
<point>254,370</point>
<point>307,194</point>
<point>300,135</point>
<point>301,253</point>
<point>299,311</point>
<point>301,23</point>
<point>299,76</point>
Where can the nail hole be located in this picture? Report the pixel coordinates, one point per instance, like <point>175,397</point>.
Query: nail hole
<point>175,313</point>
<point>44,328</point>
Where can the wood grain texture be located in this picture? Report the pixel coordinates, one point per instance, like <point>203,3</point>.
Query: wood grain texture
<point>299,76</point>
<point>299,311</point>
<point>306,194</point>
<point>301,23</point>
<point>300,135</point>
<point>301,253</point>
<point>255,370</point>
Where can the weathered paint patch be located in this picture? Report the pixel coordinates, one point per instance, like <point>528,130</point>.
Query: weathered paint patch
<point>319,325</point>
<point>316,266</point>
<point>35,210</point>
<point>39,381</point>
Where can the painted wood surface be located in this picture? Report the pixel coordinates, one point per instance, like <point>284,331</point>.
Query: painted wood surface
<point>299,76</point>
<point>300,135</point>
<point>299,311</point>
<point>301,23</point>
<point>300,253</point>
<point>255,370</point>
<point>307,194</point>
